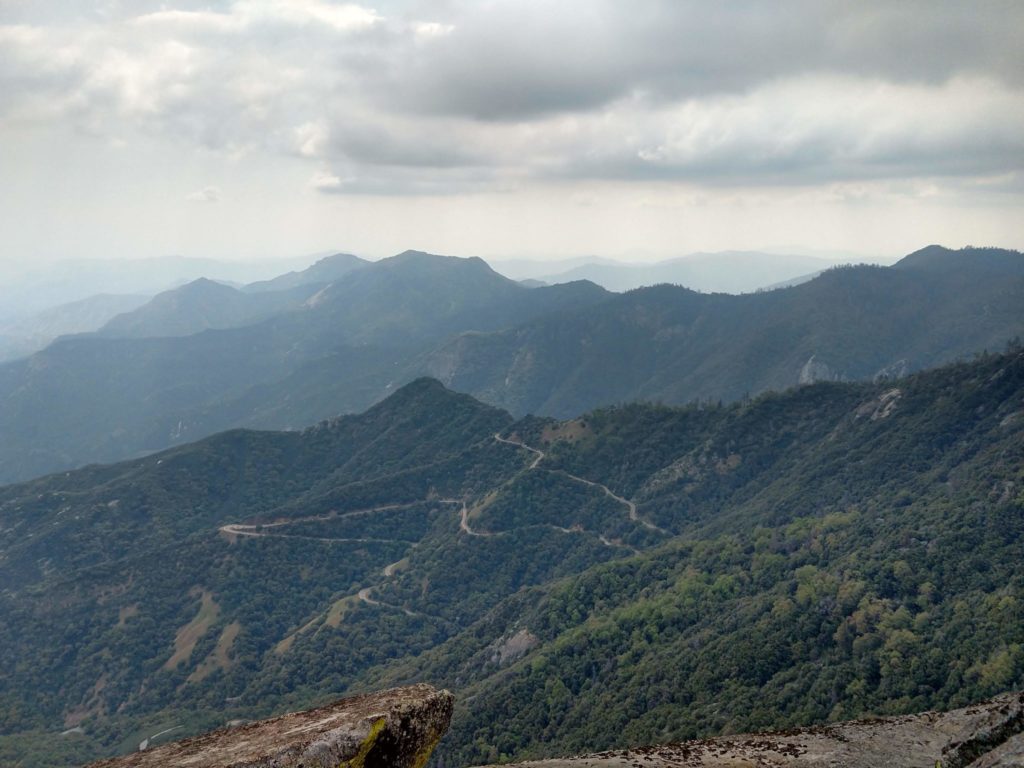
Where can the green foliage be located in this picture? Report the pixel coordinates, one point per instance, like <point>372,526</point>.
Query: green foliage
<point>832,551</point>
<point>270,359</point>
<point>673,345</point>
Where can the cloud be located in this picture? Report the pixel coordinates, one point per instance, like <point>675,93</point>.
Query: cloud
<point>516,59</point>
<point>809,130</point>
<point>448,96</point>
<point>205,195</point>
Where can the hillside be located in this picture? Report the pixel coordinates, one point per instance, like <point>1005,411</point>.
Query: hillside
<point>637,575</point>
<point>104,398</point>
<point>22,337</point>
<point>43,286</point>
<point>206,304</point>
<point>425,297</point>
<point>201,305</point>
<point>324,271</point>
<point>672,345</point>
<point>554,350</point>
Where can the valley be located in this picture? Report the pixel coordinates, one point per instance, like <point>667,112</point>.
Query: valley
<point>323,348</point>
<point>437,538</point>
<point>542,385</point>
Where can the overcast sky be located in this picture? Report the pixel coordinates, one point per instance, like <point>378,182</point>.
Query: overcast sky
<point>527,128</point>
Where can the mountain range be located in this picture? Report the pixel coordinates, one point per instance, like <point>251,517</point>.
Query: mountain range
<point>670,344</point>
<point>722,272</point>
<point>638,574</point>
<point>41,287</point>
<point>345,333</point>
<point>101,397</point>
<point>28,334</point>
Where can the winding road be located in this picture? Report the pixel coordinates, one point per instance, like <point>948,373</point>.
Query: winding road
<point>630,506</point>
<point>257,530</point>
<point>364,595</point>
<point>518,444</point>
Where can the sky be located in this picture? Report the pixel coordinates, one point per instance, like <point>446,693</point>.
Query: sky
<point>537,129</point>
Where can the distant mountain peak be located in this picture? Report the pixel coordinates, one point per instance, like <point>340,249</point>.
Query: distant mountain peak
<point>938,258</point>
<point>427,394</point>
<point>335,260</point>
<point>325,270</point>
<point>340,256</point>
<point>204,284</point>
<point>425,387</point>
<point>423,256</point>
<point>424,384</point>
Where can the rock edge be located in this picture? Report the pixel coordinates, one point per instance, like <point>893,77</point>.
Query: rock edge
<point>397,728</point>
<point>985,735</point>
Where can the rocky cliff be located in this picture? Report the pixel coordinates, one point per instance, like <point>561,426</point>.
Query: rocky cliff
<point>391,729</point>
<point>986,735</point>
<point>399,728</point>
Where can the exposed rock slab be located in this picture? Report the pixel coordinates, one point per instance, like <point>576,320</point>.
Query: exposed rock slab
<point>391,729</point>
<point>981,736</point>
<point>1010,754</point>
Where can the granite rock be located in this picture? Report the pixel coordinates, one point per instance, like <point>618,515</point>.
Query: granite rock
<point>985,735</point>
<point>398,728</point>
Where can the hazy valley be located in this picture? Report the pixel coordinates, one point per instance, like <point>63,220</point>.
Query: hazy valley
<point>637,574</point>
<point>341,335</point>
<point>447,384</point>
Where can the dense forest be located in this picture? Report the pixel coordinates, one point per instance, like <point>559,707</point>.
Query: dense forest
<point>340,336</point>
<point>637,574</point>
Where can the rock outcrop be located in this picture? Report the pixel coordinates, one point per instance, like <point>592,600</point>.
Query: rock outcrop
<point>815,370</point>
<point>400,727</point>
<point>391,729</point>
<point>986,735</point>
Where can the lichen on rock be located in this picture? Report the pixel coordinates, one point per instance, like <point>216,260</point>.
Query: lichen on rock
<point>398,728</point>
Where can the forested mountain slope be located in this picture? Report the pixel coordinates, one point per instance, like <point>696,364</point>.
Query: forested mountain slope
<point>840,550</point>
<point>669,344</point>
<point>556,350</point>
<point>323,272</point>
<point>201,305</point>
<point>639,574</point>
<point>104,399</point>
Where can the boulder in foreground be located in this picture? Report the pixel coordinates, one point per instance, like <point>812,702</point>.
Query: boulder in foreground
<point>986,735</point>
<point>397,728</point>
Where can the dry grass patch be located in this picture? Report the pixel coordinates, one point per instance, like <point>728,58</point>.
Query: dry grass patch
<point>92,705</point>
<point>125,613</point>
<point>477,509</point>
<point>220,657</point>
<point>336,613</point>
<point>285,645</point>
<point>187,636</point>
<point>572,430</point>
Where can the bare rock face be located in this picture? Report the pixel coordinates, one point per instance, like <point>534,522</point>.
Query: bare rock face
<point>398,728</point>
<point>987,735</point>
<point>815,370</point>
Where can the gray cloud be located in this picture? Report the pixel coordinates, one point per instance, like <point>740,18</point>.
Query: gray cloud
<point>515,60</point>
<point>205,195</point>
<point>431,97</point>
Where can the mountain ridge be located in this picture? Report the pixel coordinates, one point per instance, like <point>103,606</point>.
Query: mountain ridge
<point>733,272</point>
<point>842,525</point>
<point>134,395</point>
<point>670,344</point>
<point>557,350</point>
